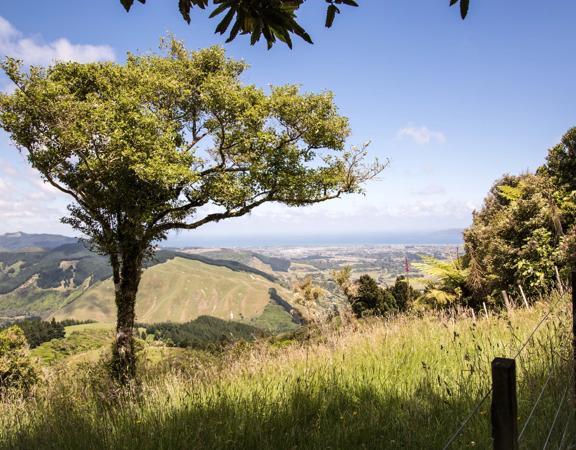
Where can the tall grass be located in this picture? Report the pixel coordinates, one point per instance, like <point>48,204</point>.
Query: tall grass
<point>404,383</point>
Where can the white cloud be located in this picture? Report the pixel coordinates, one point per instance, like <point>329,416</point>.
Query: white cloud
<point>421,135</point>
<point>33,51</point>
<point>27,204</point>
<point>7,169</point>
<point>357,215</point>
<point>431,189</point>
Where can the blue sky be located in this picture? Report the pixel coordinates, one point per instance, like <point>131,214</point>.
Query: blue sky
<point>454,104</point>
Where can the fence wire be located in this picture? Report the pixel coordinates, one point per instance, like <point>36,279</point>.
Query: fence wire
<point>537,327</point>
<point>535,405</point>
<point>476,408</point>
<point>457,433</point>
<point>557,415</point>
<point>566,428</point>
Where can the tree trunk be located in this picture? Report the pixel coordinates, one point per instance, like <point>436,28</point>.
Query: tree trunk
<point>127,275</point>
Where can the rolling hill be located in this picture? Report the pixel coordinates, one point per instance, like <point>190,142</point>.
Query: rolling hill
<point>180,290</point>
<point>69,281</point>
<point>33,242</point>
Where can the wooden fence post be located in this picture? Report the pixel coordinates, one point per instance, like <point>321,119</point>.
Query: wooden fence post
<point>507,301</point>
<point>504,409</point>
<point>523,296</point>
<point>559,281</point>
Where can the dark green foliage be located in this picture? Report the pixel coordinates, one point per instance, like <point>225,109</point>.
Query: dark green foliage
<point>273,19</point>
<point>514,239</point>
<point>275,319</point>
<point>70,322</point>
<point>561,162</point>
<point>205,332</point>
<point>277,299</point>
<point>371,299</point>
<point>402,292</point>
<point>464,5</point>
<point>38,331</point>
<point>525,229</point>
<point>54,277</point>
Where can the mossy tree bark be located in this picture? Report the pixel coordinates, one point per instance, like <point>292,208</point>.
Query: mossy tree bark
<point>127,274</point>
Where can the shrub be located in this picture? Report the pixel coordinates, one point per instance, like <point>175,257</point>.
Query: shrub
<point>17,371</point>
<point>372,299</point>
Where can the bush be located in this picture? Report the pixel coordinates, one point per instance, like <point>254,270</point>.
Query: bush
<point>17,372</point>
<point>371,299</point>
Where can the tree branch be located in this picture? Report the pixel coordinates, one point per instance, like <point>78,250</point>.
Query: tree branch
<point>215,217</point>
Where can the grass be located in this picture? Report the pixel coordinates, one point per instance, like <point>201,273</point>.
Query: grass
<point>98,326</point>
<point>84,340</point>
<point>405,383</point>
<point>180,290</point>
<point>274,319</point>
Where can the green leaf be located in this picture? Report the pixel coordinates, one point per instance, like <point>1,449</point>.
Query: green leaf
<point>234,31</point>
<point>219,10</point>
<point>331,14</point>
<point>464,8</point>
<point>184,6</point>
<point>223,25</point>
<point>127,4</point>
<point>256,33</point>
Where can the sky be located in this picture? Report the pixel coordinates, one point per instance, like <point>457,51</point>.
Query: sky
<point>452,104</point>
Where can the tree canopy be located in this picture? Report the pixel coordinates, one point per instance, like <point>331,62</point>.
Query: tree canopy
<point>173,141</point>
<point>525,229</point>
<point>273,19</point>
<point>523,235</point>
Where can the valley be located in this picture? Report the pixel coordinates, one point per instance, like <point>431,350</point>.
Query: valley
<point>180,285</point>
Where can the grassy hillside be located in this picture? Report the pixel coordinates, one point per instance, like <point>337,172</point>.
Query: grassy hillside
<point>180,290</point>
<point>38,283</point>
<point>67,281</point>
<point>405,383</point>
<point>79,341</point>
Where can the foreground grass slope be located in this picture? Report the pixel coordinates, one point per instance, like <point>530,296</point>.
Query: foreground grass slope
<point>180,290</point>
<point>404,383</point>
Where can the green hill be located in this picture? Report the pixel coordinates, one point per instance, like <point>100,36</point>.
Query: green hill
<point>180,290</point>
<point>70,281</point>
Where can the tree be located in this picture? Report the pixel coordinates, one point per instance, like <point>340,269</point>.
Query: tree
<point>38,331</point>
<point>273,19</point>
<point>560,168</point>
<point>172,141</point>
<point>403,292</point>
<point>369,298</point>
<point>514,238</point>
